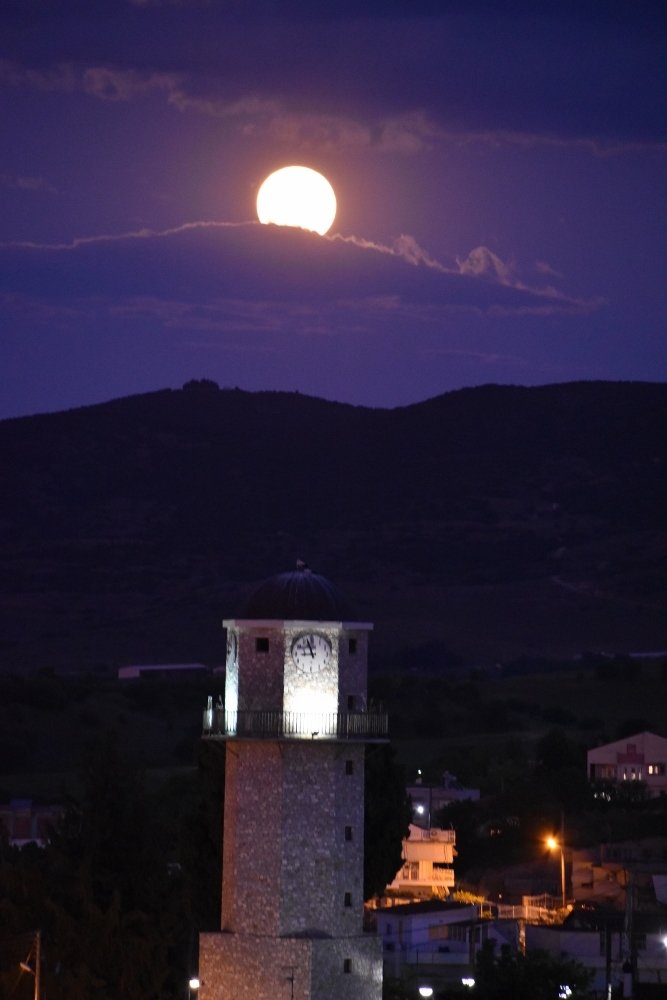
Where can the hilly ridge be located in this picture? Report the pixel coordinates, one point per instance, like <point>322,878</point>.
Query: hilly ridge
<point>483,524</point>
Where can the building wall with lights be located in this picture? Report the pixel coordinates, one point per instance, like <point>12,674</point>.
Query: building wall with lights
<point>639,758</point>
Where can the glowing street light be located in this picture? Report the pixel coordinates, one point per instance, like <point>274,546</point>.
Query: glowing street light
<point>193,985</point>
<point>554,844</point>
<point>425,991</point>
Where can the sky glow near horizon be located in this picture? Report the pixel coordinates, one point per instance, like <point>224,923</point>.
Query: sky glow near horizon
<point>500,172</point>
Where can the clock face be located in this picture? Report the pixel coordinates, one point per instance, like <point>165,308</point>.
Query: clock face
<point>311,652</point>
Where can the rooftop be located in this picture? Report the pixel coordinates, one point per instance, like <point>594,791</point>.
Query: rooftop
<point>300,595</point>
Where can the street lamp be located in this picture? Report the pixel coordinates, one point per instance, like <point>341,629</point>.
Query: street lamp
<point>26,967</point>
<point>193,985</point>
<point>554,844</point>
<point>425,991</point>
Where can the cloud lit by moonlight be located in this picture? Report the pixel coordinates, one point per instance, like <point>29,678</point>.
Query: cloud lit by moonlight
<point>297,196</point>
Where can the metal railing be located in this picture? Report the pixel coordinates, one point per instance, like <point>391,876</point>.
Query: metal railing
<point>444,875</point>
<point>274,724</point>
<point>434,834</point>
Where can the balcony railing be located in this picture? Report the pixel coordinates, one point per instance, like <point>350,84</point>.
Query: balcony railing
<point>270,724</point>
<point>434,834</point>
<point>443,875</point>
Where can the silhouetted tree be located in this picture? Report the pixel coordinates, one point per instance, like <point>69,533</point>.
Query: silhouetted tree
<point>387,818</point>
<point>110,912</point>
<point>511,975</point>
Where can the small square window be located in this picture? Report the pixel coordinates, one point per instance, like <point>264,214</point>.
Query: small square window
<point>348,833</point>
<point>349,767</point>
<point>347,965</point>
<point>352,646</point>
<point>348,899</point>
<point>350,702</point>
<point>262,644</point>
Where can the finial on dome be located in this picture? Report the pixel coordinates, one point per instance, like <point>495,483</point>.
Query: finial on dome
<point>302,567</point>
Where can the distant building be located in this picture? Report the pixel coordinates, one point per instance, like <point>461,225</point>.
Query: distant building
<point>428,859</point>
<point>160,671</point>
<point>428,800</point>
<point>436,943</point>
<point>28,822</point>
<point>639,758</point>
<point>603,874</point>
<point>598,940</point>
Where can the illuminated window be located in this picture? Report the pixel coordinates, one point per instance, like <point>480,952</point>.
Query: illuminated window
<point>656,769</point>
<point>348,833</point>
<point>262,644</point>
<point>348,899</point>
<point>349,767</point>
<point>347,965</point>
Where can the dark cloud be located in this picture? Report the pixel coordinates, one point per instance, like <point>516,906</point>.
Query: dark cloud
<point>206,263</point>
<point>559,69</point>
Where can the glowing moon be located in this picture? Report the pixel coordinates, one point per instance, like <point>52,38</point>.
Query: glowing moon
<point>297,196</point>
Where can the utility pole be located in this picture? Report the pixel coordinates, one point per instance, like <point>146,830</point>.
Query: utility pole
<point>38,962</point>
<point>629,963</point>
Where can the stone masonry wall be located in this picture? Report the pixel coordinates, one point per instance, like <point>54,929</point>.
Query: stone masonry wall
<point>252,842</point>
<point>319,865</point>
<point>239,967</point>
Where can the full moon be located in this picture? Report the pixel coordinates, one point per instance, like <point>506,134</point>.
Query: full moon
<point>297,196</point>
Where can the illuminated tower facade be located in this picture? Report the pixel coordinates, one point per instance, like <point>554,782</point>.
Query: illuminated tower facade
<point>295,722</point>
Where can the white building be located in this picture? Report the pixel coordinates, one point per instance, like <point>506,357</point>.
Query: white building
<point>603,949</point>
<point>638,758</point>
<point>437,942</point>
<point>428,800</point>
<point>428,859</point>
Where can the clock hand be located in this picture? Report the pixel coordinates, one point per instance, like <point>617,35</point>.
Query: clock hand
<point>310,648</point>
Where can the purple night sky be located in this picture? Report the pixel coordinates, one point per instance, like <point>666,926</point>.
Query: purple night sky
<point>500,168</point>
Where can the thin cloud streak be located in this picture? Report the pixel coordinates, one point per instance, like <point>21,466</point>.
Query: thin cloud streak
<point>474,277</point>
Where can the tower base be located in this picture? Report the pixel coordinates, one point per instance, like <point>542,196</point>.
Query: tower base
<point>249,967</point>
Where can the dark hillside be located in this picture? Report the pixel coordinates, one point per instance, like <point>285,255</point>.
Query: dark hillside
<point>482,524</point>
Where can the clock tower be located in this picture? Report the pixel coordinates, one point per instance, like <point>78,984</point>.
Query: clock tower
<point>295,721</point>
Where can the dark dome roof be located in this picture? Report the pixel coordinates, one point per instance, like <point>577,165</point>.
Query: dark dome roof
<point>297,596</point>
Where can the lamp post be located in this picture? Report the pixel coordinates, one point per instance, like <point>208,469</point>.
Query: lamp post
<point>193,986</point>
<point>36,972</point>
<point>553,843</point>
